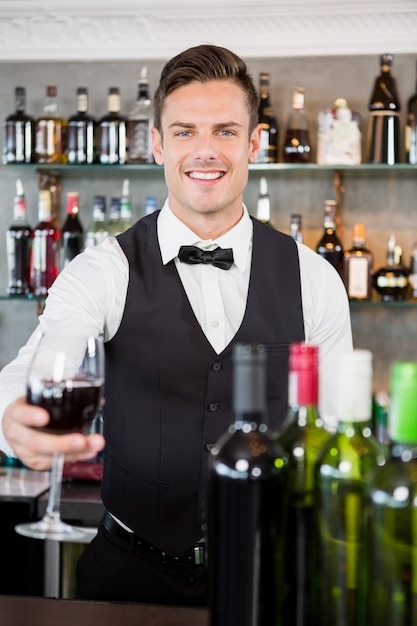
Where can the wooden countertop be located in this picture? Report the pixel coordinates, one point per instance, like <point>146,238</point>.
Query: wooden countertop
<point>31,611</point>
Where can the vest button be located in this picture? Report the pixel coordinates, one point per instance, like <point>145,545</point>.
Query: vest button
<point>208,446</point>
<point>216,367</point>
<point>213,407</point>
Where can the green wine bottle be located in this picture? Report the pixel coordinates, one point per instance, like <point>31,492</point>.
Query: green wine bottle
<point>301,437</point>
<point>343,468</point>
<point>391,521</point>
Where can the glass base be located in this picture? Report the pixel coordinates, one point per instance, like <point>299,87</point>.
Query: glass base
<point>51,529</point>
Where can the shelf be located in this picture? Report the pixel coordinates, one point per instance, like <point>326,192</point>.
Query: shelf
<point>400,304</point>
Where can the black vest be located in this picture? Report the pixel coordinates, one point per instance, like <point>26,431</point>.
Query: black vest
<point>168,394</point>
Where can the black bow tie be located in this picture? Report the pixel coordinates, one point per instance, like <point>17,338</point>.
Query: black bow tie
<point>219,257</point>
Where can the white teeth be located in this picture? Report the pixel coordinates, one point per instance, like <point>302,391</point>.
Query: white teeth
<point>205,175</point>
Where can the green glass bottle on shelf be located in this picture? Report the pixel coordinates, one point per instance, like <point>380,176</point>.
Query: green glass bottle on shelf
<point>391,521</point>
<point>302,436</point>
<point>343,469</point>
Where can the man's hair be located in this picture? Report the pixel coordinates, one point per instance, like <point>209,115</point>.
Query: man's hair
<point>205,63</point>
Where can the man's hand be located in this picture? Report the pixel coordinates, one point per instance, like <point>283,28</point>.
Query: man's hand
<point>34,447</point>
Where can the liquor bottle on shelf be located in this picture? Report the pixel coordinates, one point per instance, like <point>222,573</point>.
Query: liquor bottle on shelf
<point>391,511</point>
<point>380,410</point>
<point>302,436</point>
<point>344,466</point>
<point>246,505</point>
<point>126,218</point>
<point>358,264</point>
<point>18,245</point>
<point>296,226</point>
<point>411,128</point>
<point>45,248</point>
<point>50,131</point>
<point>97,232</point>
<point>297,147</point>
<point>263,207</point>
<point>18,132</point>
<point>412,277</point>
<point>330,246</point>
<point>81,132</point>
<point>111,142</point>
<point>139,124</point>
<point>72,233</point>
<point>113,224</point>
<point>151,204</point>
<point>339,137</point>
<point>384,121</point>
<point>391,281</point>
<point>268,152</point>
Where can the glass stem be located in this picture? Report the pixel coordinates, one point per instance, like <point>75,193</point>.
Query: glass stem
<point>54,498</point>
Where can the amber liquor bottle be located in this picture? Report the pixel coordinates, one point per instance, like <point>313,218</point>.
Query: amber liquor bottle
<point>81,132</point>
<point>18,132</point>
<point>112,132</point>
<point>18,244</point>
<point>139,124</point>
<point>358,266</point>
<point>268,152</point>
<point>51,131</point>
<point>297,147</point>
<point>45,248</point>
<point>411,129</point>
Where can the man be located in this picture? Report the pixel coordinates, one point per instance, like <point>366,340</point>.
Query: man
<point>170,324</point>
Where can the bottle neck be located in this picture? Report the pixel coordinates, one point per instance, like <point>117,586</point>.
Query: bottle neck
<point>351,428</point>
<point>82,103</point>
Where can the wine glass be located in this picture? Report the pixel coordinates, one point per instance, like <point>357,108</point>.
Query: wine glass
<point>66,377</point>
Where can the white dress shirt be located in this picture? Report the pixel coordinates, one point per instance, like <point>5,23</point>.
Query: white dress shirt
<point>90,293</point>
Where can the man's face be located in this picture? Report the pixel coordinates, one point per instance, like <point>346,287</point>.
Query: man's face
<point>205,148</point>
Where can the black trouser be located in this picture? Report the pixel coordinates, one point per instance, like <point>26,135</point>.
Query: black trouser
<point>112,570</point>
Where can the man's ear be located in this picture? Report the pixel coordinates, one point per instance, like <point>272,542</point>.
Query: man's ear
<point>157,149</point>
<point>255,144</point>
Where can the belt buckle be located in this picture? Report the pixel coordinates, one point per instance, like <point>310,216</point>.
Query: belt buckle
<point>198,555</point>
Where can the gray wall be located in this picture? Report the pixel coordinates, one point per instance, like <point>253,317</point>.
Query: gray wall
<point>385,201</point>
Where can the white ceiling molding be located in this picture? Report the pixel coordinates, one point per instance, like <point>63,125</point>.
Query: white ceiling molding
<point>95,30</point>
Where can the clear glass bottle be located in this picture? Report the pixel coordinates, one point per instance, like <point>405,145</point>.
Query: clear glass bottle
<point>391,280</point>
<point>81,132</point>
<point>302,436</point>
<point>297,146</point>
<point>111,142</point>
<point>411,128</point>
<point>97,231</point>
<point>268,152</point>
<point>19,237</point>
<point>339,137</point>
<point>72,233</point>
<point>330,246</point>
<point>358,263</point>
<point>246,505</point>
<point>139,124</point>
<point>296,226</point>
<point>343,469</point>
<point>126,217</point>
<point>45,248</point>
<point>18,132</point>
<point>384,121</point>
<point>51,131</point>
<point>263,206</point>
<point>151,204</point>
<point>113,224</point>
<point>391,512</point>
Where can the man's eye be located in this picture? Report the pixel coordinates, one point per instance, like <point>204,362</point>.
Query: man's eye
<point>183,133</point>
<point>226,133</point>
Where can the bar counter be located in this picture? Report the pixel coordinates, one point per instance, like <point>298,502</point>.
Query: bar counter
<point>33,611</point>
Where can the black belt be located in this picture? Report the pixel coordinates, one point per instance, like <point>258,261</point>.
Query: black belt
<point>194,556</point>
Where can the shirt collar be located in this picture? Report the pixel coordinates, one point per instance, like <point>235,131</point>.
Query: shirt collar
<point>172,233</point>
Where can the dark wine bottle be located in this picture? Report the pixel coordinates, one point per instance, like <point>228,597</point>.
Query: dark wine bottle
<point>112,132</point>
<point>19,132</point>
<point>384,120</point>
<point>297,147</point>
<point>411,128</point>
<point>45,247</point>
<point>302,436</point>
<point>268,152</point>
<point>246,506</point>
<point>19,245</point>
<point>330,246</point>
<point>72,231</point>
<point>81,132</point>
<point>391,280</point>
<point>344,466</point>
<point>358,263</point>
<point>391,541</point>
